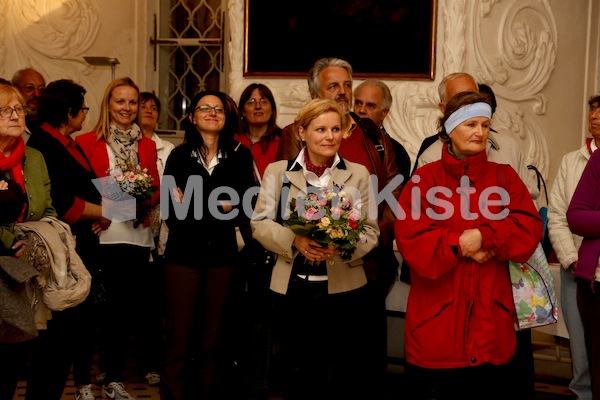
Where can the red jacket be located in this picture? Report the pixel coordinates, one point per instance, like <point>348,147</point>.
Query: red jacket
<point>96,152</point>
<point>461,313</point>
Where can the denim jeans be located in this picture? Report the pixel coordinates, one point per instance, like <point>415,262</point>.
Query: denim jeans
<point>580,384</point>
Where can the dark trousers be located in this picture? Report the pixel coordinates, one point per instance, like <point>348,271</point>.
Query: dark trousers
<point>322,342</point>
<point>522,368</point>
<point>196,298</point>
<point>149,334</point>
<point>376,339</point>
<point>67,342</point>
<point>588,302</point>
<point>123,267</point>
<point>13,359</point>
<point>250,330</point>
<point>485,381</point>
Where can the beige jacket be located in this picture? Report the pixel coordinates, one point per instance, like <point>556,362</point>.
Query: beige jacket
<point>343,275</point>
<point>64,281</point>
<point>565,243</point>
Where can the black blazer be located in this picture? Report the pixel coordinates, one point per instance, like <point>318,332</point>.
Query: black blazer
<point>69,179</point>
<point>208,241</point>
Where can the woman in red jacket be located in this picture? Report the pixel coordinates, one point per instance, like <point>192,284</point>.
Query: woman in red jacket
<point>125,245</point>
<point>460,220</point>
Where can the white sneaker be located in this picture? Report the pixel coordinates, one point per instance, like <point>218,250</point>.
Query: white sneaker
<point>84,393</point>
<point>115,391</point>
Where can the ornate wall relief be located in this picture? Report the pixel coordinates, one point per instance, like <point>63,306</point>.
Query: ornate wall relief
<point>51,36</point>
<point>510,45</point>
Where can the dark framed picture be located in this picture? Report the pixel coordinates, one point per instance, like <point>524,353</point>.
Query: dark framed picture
<point>384,39</point>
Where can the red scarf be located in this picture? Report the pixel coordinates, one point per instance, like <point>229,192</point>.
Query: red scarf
<point>317,169</point>
<point>14,163</point>
<point>588,143</point>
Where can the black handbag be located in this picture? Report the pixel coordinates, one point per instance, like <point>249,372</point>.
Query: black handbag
<point>257,263</point>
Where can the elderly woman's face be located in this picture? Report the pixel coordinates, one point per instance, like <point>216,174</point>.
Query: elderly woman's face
<point>13,126</point>
<point>323,137</point>
<point>470,137</point>
<point>123,106</point>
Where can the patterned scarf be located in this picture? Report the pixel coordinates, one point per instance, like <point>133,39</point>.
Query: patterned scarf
<point>14,163</point>
<point>122,142</point>
<point>318,170</point>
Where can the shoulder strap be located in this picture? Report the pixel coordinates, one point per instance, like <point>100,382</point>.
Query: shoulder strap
<point>540,180</point>
<point>373,133</point>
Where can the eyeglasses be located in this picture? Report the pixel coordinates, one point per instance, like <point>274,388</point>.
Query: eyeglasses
<point>28,89</point>
<point>6,112</point>
<point>85,109</point>
<point>205,109</point>
<point>262,101</point>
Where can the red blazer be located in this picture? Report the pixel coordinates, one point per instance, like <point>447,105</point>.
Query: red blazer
<point>95,151</point>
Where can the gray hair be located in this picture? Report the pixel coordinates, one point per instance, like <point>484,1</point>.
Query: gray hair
<point>386,98</point>
<point>314,84</point>
<point>448,78</point>
<point>16,78</point>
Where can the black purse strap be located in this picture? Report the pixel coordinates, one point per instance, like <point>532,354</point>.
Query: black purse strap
<point>540,181</point>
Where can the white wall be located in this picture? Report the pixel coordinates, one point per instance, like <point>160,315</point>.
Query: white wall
<point>53,37</point>
<point>540,56</point>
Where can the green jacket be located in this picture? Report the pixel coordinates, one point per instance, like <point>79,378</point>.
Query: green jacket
<point>37,185</point>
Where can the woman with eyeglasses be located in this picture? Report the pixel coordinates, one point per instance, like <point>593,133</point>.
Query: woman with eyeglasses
<point>125,245</point>
<point>259,131</point>
<point>23,165</point>
<point>207,177</point>
<point>22,168</point>
<point>69,337</point>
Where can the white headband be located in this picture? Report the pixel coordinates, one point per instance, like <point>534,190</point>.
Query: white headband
<point>464,113</point>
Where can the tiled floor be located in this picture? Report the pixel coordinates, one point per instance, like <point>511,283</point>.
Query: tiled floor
<point>135,384</point>
<point>551,383</point>
<point>547,388</point>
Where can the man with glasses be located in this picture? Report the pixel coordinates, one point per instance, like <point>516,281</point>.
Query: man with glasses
<point>31,84</point>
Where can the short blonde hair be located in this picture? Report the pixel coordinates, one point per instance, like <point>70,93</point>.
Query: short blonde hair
<point>8,93</point>
<point>316,108</point>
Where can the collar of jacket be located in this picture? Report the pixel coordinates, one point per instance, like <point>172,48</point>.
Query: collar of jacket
<point>492,142</point>
<point>297,167</point>
<point>473,167</point>
<point>295,175</point>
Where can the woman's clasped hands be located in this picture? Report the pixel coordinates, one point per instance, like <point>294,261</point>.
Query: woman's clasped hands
<point>470,243</point>
<point>313,251</point>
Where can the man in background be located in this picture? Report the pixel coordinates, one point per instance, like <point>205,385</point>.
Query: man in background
<point>31,84</point>
<point>373,99</point>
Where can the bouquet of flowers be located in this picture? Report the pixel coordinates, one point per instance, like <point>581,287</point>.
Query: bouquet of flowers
<point>328,216</point>
<point>133,180</point>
